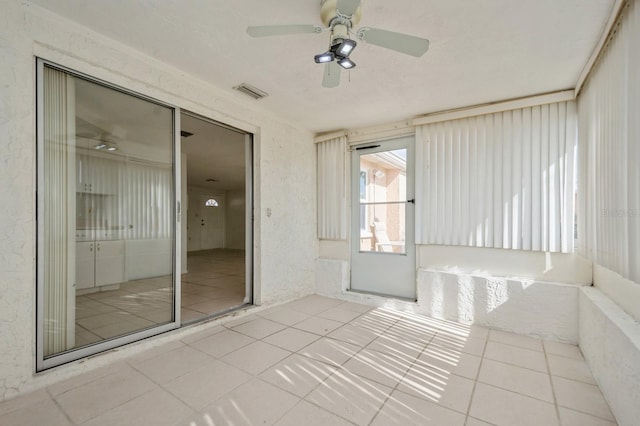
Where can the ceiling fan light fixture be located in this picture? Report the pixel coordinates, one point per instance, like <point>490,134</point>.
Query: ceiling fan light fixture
<point>345,48</point>
<point>325,57</point>
<point>346,63</point>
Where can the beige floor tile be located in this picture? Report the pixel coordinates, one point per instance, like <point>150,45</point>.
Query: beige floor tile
<point>44,412</point>
<point>570,368</point>
<point>355,335</point>
<point>291,339</point>
<point>208,331</point>
<point>222,343</point>
<point>88,377</point>
<point>350,396</point>
<point>339,314</point>
<point>475,422</point>
<point>448,390</point>
<point>253,403</point>
<point>23,401</point>
<point>240,318</point>
<point>128,325</point>
<point>394,346</point>
<point>574,418</point>
<point>311,415</point>
<point>204,385</point>
<point>402,409</point>
<point>527,358</point>
<point>449,362</point>
<point>469,345</point>
<point>215,305</point>
<point>378,319</point>
<point>187,315</point>
<point>516,379</point>
<point>581,397</point>
<point>157,408</point>
<point>356,307</point>
<point>502,407</point>
<point>154,352</point>
<point>286,316</point>
<point>256,357</point>
<point>562,349</point>
<point>330,351</point>
<point>314,304</point>
<point>298,374</point>
<point>384,369</point>
<point>169,365</point>
<point>259,328</point>
<point>99,396</point>
<point>317,325</point>
<point>515,340</point>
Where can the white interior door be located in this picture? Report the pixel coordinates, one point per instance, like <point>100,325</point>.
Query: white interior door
<point>206,221</point>
<point>211,221</point>
<point>383,259</point>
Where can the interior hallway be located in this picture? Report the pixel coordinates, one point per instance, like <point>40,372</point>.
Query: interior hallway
<point>321,361</point>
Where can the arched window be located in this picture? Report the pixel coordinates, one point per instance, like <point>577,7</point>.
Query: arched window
<point>211,203</point>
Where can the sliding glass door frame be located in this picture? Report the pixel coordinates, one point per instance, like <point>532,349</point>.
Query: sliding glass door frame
<point>43,363</point>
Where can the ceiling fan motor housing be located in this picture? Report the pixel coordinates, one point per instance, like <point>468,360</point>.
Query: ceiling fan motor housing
<point>329,12</point>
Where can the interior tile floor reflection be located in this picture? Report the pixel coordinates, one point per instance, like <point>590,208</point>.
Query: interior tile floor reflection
<point>321,361</point>
<point>215,283</point>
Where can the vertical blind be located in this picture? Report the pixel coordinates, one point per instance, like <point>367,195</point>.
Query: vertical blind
<point>59,211</point>
<point>609,116</point>
<point>502,180</point>
<point>332,217</point>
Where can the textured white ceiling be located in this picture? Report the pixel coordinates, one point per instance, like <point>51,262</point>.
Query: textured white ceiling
<point>481,51</point>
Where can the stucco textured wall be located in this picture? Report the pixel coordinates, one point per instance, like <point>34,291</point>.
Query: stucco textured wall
<point>610,342</point>
<point>285,242</point>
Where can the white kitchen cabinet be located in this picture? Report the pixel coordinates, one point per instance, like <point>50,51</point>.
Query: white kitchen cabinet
<point>99,263</point>
<point>85,265</point>
<point>96,175</point>
<point>109,262</point>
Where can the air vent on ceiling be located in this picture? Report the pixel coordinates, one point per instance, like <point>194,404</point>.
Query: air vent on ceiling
<point>185,134</point>
<point>249,90</point>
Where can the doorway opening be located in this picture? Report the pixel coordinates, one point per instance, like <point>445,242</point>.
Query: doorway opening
<point>216,162</point>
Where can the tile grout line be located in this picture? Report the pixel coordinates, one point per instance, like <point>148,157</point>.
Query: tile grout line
<point>475,381</point>
<point>553,388</point>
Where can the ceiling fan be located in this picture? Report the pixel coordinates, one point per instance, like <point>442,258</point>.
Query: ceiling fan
<point>340,18</point>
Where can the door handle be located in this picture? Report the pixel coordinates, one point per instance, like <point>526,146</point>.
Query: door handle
<point>412,201</point>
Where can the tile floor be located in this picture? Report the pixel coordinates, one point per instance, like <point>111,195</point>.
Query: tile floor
<point>320,361</point>
<point>215,283</point>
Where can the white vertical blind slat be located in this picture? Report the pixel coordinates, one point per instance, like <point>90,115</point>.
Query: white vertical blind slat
<point>499,180</point>
<point>331,189</point>
<point>609,131</point>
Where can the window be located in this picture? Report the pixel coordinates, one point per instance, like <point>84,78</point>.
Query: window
<point>211,203</point>
<point>105,216</point>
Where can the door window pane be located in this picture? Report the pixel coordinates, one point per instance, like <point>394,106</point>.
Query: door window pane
<point>107,213</point>
<point>383,201</point>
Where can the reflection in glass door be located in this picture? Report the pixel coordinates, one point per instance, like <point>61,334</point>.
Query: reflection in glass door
<point>383,252</point>
<point>106,218</point>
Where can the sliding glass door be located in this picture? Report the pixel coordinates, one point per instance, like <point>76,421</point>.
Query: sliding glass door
<point>107,215</point>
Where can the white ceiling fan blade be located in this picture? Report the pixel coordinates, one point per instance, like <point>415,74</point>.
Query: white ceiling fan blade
<point>276,30</point>
<point>347,7</point>
<point>403,43</point>
<point>331,75</point>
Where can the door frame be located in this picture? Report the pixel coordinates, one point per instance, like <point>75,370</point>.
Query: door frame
<point>355,254</point>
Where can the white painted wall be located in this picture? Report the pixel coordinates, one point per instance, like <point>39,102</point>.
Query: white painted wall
<point>622,291</point>
<point>285,243</point>
<point>610,342</point>
<point>535,265</point>
<point>524,292</point>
